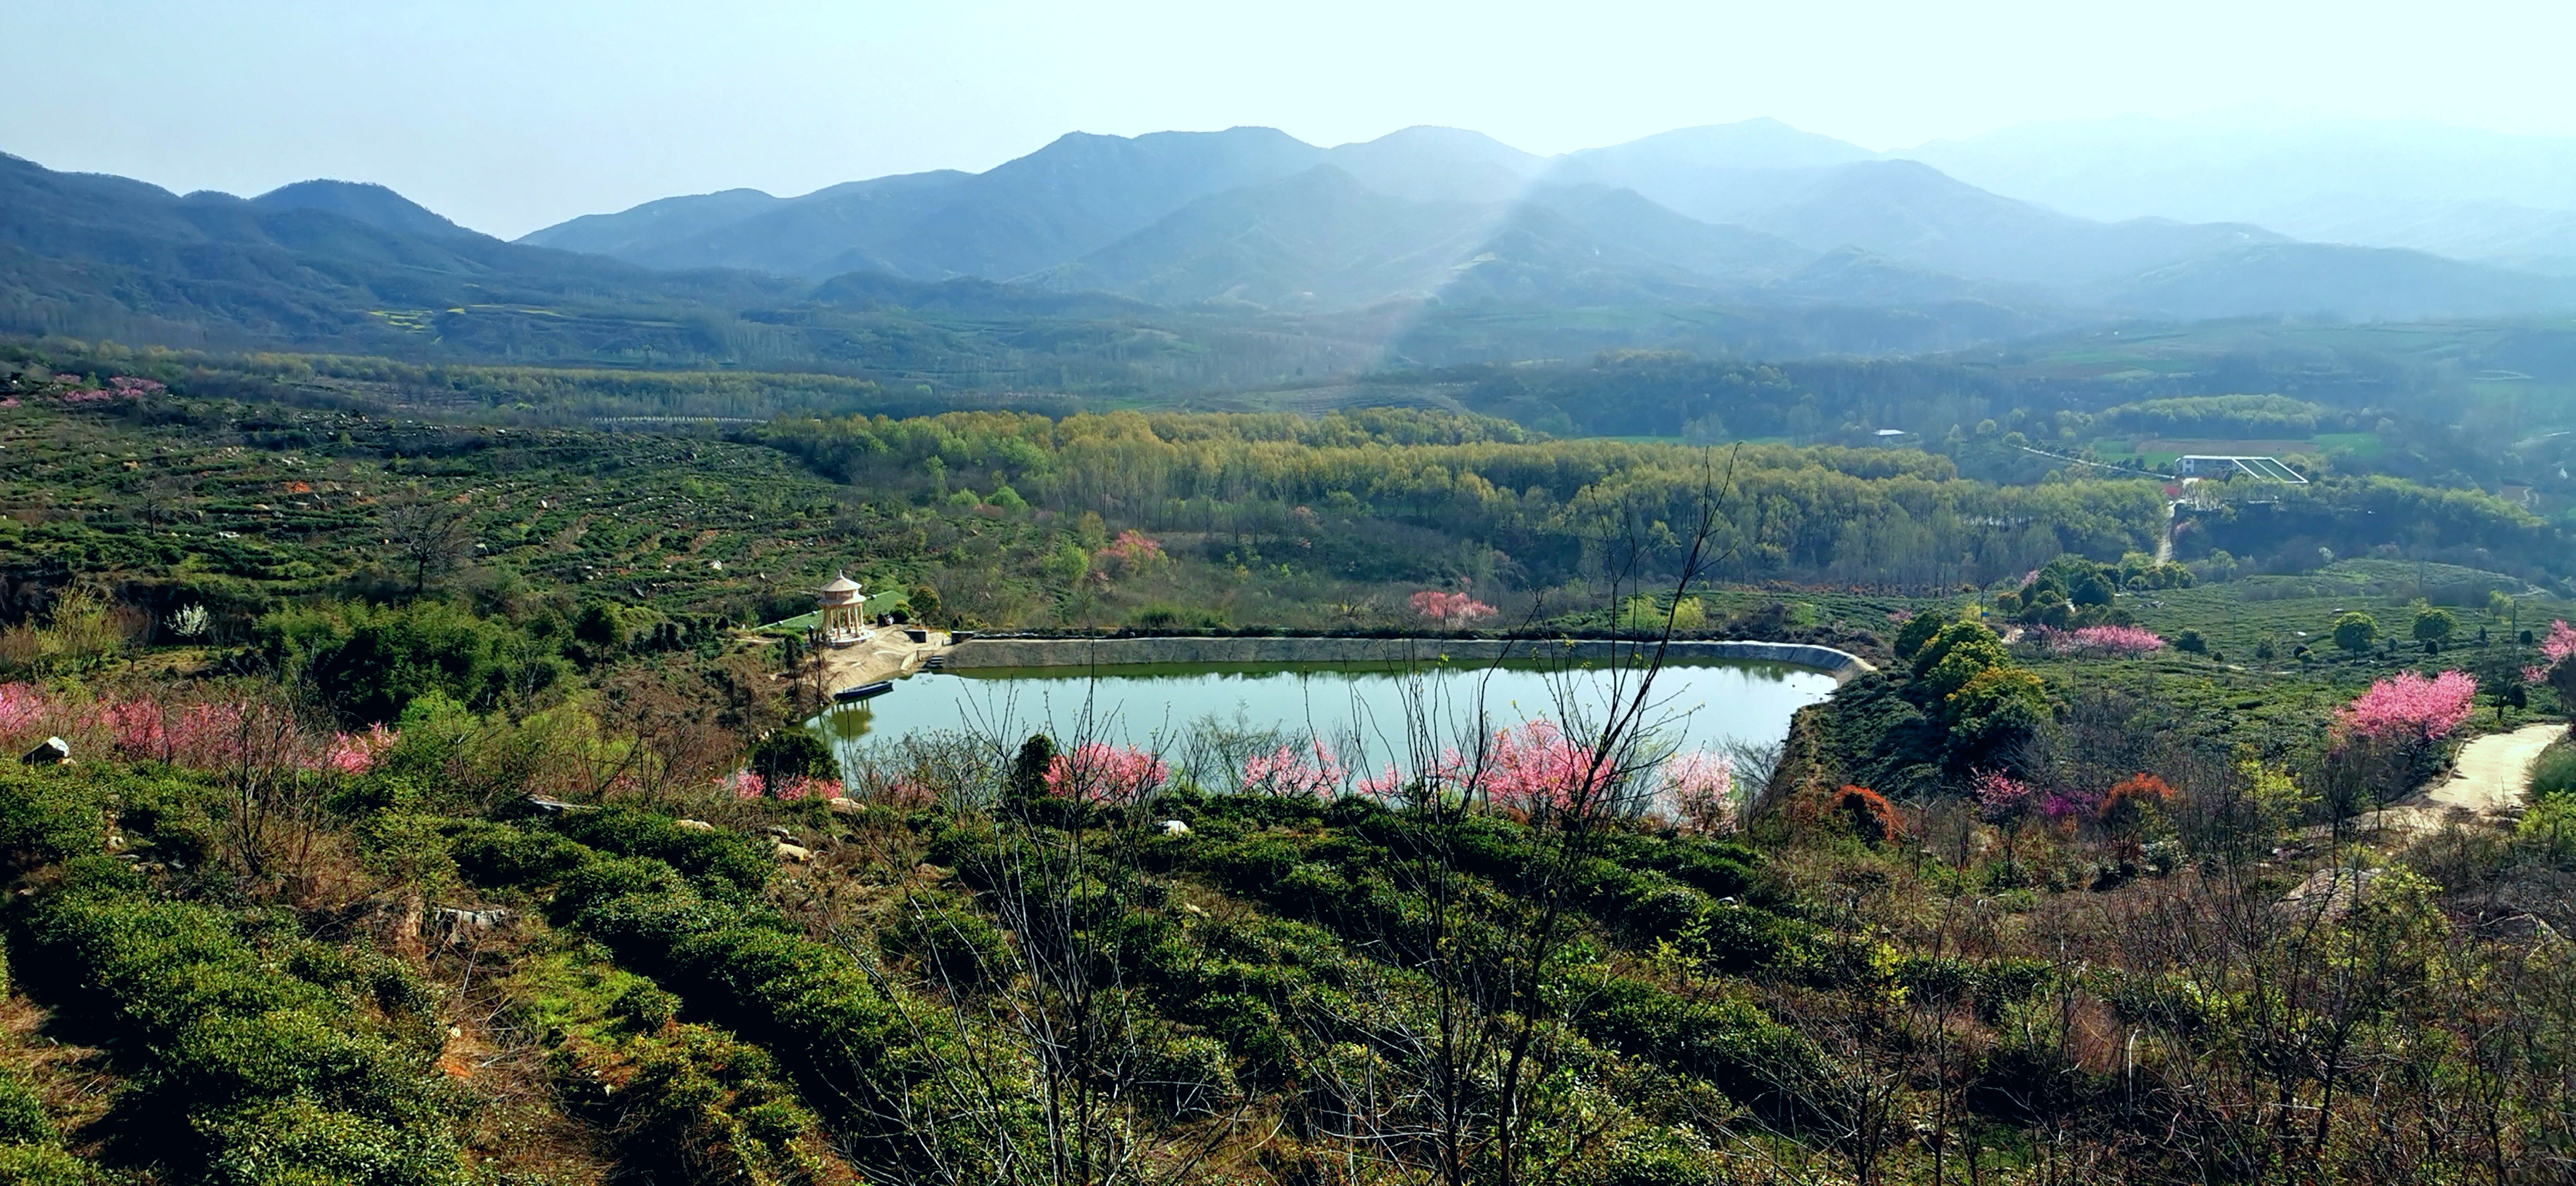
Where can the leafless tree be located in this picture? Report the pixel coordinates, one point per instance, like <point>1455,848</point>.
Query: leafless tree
<point>428,535</point>
<point>279,802</point>
<point>1058,1099</point>
<point>1476,1023</point>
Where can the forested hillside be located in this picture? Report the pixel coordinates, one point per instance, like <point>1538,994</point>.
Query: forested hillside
<point>440,806</point>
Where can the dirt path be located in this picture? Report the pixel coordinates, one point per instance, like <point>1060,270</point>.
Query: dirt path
<point>2492,774</point>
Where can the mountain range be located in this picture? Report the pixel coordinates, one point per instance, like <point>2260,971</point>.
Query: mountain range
<point>2466,193</point>
<point>1753,236</point>
<point>1751,213</point>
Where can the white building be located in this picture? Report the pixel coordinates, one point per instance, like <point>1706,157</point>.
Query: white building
<point>843,610</point>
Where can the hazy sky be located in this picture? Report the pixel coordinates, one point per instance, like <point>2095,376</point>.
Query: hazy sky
<point>507,115</point>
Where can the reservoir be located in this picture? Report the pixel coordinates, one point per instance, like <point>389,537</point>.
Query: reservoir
<point>1203,717</point>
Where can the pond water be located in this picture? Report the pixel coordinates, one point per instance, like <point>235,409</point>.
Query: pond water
<point>1199,714</point>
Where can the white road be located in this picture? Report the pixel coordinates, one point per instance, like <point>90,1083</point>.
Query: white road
<point>2490,780</point>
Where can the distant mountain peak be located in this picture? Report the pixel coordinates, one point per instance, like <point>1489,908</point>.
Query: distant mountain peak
<point>360,201</point>
<point>1762,143</point>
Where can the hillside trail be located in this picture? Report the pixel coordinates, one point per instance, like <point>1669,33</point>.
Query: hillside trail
<point>2490,779</point>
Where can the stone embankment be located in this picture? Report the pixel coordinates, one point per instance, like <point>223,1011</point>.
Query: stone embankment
<point>1115,652</point>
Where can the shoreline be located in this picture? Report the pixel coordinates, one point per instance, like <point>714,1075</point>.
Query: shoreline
<point>1124,652</point>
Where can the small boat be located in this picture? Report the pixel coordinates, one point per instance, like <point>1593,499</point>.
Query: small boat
<point>863,692</point>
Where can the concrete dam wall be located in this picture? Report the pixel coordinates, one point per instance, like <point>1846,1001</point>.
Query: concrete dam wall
<point>1117,652</point>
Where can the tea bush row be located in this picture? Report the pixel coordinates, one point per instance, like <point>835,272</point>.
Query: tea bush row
<point>258,1057</point>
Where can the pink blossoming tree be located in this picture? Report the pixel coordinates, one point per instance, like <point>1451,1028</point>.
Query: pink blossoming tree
<point>1310,772</point>
<point>2002,799</point>
<point>1453,610</point>
<point>1094,772</point>
<point>1538,768</point>
<point>1132,552</point>
<point>2410,709</point>
<point>1701,786</point>
<point>2104,640</point>
<point>2558,666</point>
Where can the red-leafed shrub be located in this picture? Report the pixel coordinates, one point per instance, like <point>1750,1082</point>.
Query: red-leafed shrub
<point>2133,801</point>
<point>1868,813</point>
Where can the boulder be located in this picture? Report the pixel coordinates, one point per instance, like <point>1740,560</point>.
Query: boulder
<point>693,825</point>
<point>454,925</point>
<point>842,805</point>
<point>793,853</point>
<point>54,752</point>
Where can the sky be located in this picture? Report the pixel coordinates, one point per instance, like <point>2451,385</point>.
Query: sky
<point>509,116</point>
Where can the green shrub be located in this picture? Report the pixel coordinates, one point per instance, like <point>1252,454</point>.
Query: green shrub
<point>1727,1043</point>
<point>719,863</point>
<point>694,1103</point>
<point>1659,910</point>
<point>1739,940</point>
<point>50,814</point>
<point>968,845</point>
<point>1249,1026</point>
<point>2548,830</point>
<point>2554,774</point>
<point>850,1048</point>
<point>1658,1157</point>
<point>710,1107</point>
<point>248,1067</point>
<point>1918,632</point>
<point>374,660</point>
<point>792,751</point>
<point>296,1142</point>
<point>2025,1083</point>
<point>42,1165</point>
<point>611,881</point>
<point>498,854</point>
<point>22,1114</point>
<point>1254,866</point>
<point>644,1008</point>
<point>1186,1077</point>
<point>957,947</point>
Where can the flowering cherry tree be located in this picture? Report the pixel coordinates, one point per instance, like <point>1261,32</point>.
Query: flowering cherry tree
<point>2105,640</point>
<point>1132,552</point>
<point>2559,668</point>
<point>1312,771</point>
<point>21,708</point>
<point>1450,609</point>
<point>2001,798</point>
<point>208,735</point>
<point>1537,767</point>
<point>2408,708</point>
<point>1701,786</point>
<point>1094,772</point>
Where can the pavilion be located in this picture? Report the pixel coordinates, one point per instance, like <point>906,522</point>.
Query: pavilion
<point>842,611</point>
